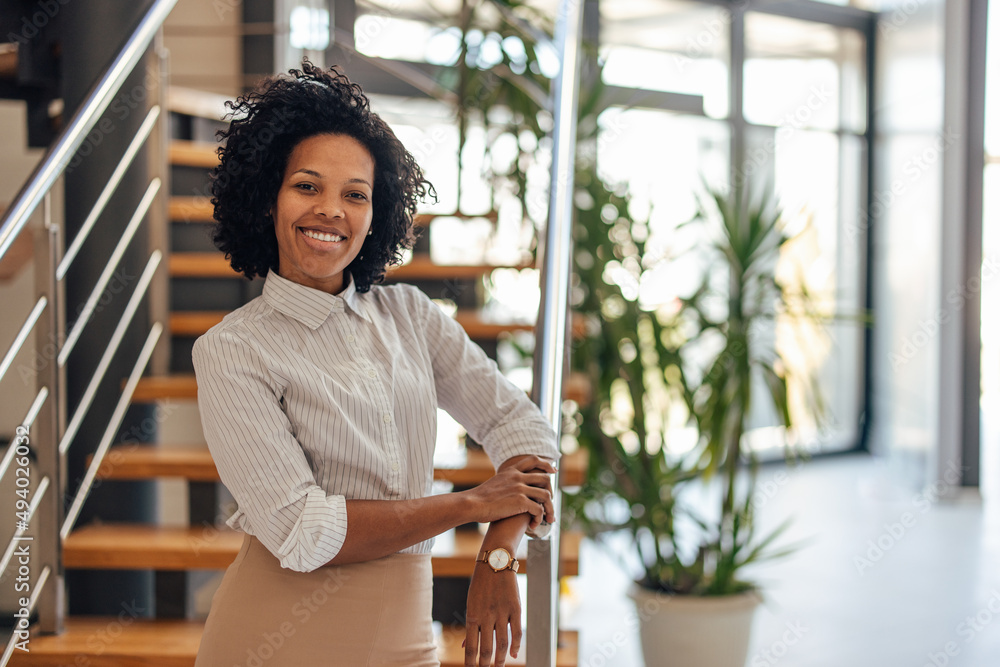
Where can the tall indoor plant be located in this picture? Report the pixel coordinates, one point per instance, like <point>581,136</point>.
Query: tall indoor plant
<point>701,352</point>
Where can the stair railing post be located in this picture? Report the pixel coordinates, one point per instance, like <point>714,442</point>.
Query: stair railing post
<point>49,426</point>
<point>159,233</point>
<point>556,251</point>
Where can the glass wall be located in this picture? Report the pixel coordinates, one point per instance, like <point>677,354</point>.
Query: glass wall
<point>801,126</point>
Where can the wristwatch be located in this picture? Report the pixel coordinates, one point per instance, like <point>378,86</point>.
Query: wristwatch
<point>499,559</point>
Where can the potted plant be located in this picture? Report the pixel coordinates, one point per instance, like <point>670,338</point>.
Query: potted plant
<point>701,352</point>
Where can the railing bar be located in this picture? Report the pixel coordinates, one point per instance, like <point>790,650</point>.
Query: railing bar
<point>109,432</point>
<point>22,335</point>
<point>109,352</point>
<point>35,408</point>
<point>35,499</point>
<point>29,419</point>
<point>39,585</point>
<point>43,578</point>
<point>7,458</point>
<point>109,189</point>
<point>109,271</point>
<point>66,144</point>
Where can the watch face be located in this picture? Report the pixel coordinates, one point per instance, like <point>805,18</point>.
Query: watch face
<point>499,559</point>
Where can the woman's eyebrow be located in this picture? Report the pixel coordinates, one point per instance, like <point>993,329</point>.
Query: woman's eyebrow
<point>316,174</point>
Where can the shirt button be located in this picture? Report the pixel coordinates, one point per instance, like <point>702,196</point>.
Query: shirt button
<point>395,466</point>
<point>350,339</point>
<point>387,418</point>
<point>372,373</point>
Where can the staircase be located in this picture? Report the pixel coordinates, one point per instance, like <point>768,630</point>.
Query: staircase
<point>203,288</point>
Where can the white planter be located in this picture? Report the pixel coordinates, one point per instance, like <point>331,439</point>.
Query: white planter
<point>684,631</point>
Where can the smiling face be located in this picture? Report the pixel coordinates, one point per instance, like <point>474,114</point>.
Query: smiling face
<point>323,210</point>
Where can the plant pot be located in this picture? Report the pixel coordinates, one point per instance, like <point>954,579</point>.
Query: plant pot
<point>691,631</point>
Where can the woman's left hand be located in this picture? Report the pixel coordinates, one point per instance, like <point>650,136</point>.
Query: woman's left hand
<point>494,605</point>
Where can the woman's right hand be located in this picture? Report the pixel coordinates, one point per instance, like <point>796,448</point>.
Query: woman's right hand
<point>523,487</point>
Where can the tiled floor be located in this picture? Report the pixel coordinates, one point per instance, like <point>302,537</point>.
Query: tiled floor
<point>867,591</point>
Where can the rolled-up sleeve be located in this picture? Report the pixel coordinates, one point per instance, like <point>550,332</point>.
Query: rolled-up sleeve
<point>258,457</point>
<point>471,388</point>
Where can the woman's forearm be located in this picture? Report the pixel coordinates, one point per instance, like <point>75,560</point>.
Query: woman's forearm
<point>377,528</point>
<point>507,533</point>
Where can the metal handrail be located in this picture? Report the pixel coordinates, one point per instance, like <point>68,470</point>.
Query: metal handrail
<point>555,252</point>
<point>71,139</point>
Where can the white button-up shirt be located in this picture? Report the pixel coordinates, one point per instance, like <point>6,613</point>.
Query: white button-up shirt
<point>308,399</point>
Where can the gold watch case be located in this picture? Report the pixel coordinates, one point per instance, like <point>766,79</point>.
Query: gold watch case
<point>499,559</point>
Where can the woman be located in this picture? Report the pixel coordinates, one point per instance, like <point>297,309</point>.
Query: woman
<point>318,401</point>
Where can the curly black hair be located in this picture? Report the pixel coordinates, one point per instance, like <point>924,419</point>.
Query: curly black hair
<point>266,125</point>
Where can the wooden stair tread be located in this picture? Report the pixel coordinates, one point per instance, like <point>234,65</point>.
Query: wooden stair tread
<point>215,265</point>
<point>117,546</point>
<point>138,642</point>
<point>132,462</point>
<point>8,60</point>
<point>192,153</point>
<point>190,209</point>
<point>143,642</point>
<point>163,387</point>
<point>185,387</point>
<point>194,462</point>
<point>121,546</point>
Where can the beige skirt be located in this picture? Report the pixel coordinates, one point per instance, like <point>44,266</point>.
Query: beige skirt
<point>372,613</point>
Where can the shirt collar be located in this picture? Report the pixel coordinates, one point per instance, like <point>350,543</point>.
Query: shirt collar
<point>311,306</point>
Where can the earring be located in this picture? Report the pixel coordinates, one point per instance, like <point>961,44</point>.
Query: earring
<point>369,232</point>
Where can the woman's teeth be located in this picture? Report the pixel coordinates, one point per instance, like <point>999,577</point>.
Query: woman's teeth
<point>321,236</point>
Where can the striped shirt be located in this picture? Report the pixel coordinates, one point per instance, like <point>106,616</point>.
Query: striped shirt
<point>308,399</point>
